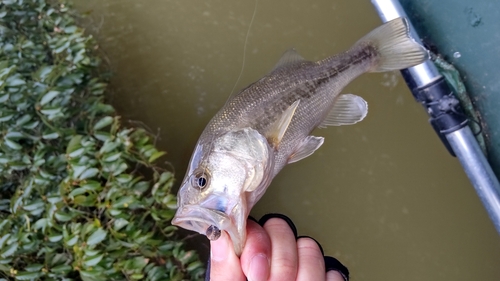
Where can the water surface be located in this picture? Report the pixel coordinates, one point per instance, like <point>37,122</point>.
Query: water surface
<point>383,196</point>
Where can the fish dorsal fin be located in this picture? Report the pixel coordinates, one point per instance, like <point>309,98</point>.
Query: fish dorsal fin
<point>348,109</point>
<point>305,148</point>
<point>289,57</point>
<point>278,128</point>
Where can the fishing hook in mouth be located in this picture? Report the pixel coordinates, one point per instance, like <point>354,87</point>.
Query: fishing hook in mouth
<point>213,233</point>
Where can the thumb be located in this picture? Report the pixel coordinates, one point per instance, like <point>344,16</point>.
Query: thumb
<point>224,265</point>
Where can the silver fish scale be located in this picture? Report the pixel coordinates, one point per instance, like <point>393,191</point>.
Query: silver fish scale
<point>315,84</point>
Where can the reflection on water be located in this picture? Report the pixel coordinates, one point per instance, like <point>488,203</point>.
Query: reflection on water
<point>383,196</point>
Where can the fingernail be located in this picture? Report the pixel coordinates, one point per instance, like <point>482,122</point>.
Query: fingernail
<point>259,268</point>
<point>219,249</point>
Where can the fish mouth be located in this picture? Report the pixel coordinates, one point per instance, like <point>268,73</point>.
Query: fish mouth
<point>204,221</point>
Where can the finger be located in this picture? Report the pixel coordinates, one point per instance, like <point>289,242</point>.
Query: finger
<point>283,250</point>
<point>311,262</point>
<point>255,259</point>
<point>224,264</point>
<point>333,275</point>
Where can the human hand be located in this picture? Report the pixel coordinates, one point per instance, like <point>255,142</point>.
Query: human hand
<point>273,252</point>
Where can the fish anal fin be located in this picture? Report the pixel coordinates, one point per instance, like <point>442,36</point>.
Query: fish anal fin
<point>348,109</point>
<point>289,57</point>
<point>278,128</point>
<point>305,148</point>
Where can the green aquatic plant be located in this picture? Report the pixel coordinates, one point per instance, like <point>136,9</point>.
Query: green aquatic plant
<point>80,195</point>
<point>454,79</point>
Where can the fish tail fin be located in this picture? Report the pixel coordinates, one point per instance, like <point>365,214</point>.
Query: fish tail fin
<point>394,46</point>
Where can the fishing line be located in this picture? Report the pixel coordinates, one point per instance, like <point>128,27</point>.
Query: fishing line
<point>245,49</point>
<point>203,161</point>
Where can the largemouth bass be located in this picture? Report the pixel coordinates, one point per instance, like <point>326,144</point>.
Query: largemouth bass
<point>268,124</point>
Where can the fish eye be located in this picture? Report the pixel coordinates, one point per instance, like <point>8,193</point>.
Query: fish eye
<point>200,180</point>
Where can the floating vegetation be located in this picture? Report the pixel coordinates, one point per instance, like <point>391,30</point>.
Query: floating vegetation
<point>80,195</point>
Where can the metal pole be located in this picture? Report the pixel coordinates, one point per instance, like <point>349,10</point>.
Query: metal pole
<point>478,170</point>
<point>426,84</point>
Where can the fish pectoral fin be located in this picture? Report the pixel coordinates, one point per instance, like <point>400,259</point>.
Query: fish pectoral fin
<point>289,57</point>
<point>348,109</point>
<point>306,148</point>
<point>278,128</point>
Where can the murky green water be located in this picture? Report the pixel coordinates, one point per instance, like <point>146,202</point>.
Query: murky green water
<point>383,196</point>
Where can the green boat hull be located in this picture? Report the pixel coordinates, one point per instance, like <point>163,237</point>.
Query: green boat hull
<point>467,35</point>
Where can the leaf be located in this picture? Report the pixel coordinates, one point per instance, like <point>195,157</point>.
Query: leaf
<point>156,155</point>
<point>172,205</point>
<point>4,160</point>
<point>51,110</point>
<point>50,136</point>
<point>89,173</point>
<point>124,178</point>
<point>108,146</point>
<point>4,238</point>
<point>12,144</point>
<point>165,176</point>
<point>194,265</point>
<point>112,157</point>
<point>102,136</point>
<point>4,98</point>
<point>74,144</point>
<point>54,199</point>
<point>24,275</point>
<point>72,241</point>
<point>6,117</point>
<point>119,224</point>
<point>91,275</point>
<point>43,72</point>
<point>48,97</point>
<point>92,261</point>
<point>14,135</point>
<point>78,170</point>
<point>137,263</point>
<point>106,121</point>
<point>55,238</point>
<point>23,119</point>
<point>41,223</point>
<point>77,152</point>
<point>31,125</point>
<point>83,200</point>
<point>97,237</point>
<point>123,202</point>
<point>77,191</point>
<point>34,206</point>
<point>90,253</point>
<point>33,267</point>
<point>120,169</point>
<point>63,216</point>
<point>15,81</point>
<point>137,276</point>
<point>170,230</point>
<point>70,29</point>
<point>9,250</point>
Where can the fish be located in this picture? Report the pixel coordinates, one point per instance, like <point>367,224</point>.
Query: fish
<point>268,125</point>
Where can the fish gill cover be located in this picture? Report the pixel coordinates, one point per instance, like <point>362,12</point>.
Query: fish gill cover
<point>73,204</point>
